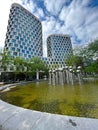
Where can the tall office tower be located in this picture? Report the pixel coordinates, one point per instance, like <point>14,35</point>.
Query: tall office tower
<point>24,33</point>
<point>59,47</point>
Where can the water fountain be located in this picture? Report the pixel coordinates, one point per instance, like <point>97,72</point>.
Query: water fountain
<point>60,71</point>
<point>79,74</point>
<point>53,77</point>
<point>71,75</point>
<point>64,75</point>
<point>67,74</point>
<point>57,76</point>
<point>50,76</point>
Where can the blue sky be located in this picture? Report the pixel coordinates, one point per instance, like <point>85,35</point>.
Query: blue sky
<point>77,18</point>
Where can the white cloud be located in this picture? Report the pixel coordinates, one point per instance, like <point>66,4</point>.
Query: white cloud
<point>48,27</point>
<point>29,5</point>
<point>32,7</point>
<point>80,21</point>
<point>4,14</point>
<point>54,6</point>
<point>39,13</point>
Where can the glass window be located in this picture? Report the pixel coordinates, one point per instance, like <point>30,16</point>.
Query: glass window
<point>15,53</point>
<point>17,37</point>
<point>15,45</point>
<point>29,56</point>
<point>14,33</point>
<point>18,50</point>
<point>10,44</point>
<point>27,52</point>
<point>20,54</point>
<point>13,49</point>
<point>23,51</point>
<point>29,49</point>
<point>21,46</point>
<point>13,40</point>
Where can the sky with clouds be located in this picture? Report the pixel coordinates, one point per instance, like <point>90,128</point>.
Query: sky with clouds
<point>77,18</point>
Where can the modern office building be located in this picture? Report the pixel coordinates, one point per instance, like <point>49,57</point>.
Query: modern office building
<point>24,33</point>
<point>24,38</point>
<point>59,48</point>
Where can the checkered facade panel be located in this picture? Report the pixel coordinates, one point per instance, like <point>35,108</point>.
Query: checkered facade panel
<point>24,33</point>
<point>59,46</point>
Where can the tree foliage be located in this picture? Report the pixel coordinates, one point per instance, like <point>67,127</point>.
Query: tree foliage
<point>6,60</point>
<point>87,57</point>
<point>20,64</point>
<point>37,64</point>
<point>93,67</point>
<point>74,60</point>
<point>93,46</point>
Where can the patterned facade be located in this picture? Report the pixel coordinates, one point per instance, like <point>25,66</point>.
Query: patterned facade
<point>24,33</point>
<point>59,48</point>
<point>24,38</point>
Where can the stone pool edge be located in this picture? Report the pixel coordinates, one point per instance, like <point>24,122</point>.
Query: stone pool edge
<point>17,118</point>
<point>3,87</point>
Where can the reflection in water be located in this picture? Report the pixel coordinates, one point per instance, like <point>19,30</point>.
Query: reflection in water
<point>68,100</point>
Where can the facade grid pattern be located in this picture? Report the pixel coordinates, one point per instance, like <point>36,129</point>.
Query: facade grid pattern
<point>59,48</point>
<point>24,33</point>
<point>24,38</point>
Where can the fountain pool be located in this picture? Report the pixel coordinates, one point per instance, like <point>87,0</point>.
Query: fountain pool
<point>73,100</point>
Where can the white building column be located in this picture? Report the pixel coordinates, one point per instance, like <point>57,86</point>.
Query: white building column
<point>50,77</point>
<point>37,75</point>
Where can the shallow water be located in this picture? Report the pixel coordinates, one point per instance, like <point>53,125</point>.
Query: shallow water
<point>67,100</point>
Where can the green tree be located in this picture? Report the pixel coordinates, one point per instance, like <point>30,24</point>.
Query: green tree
<point>6,65</point>
<point>7,60</point>
<point>92,68</point>
<point>20,64</point>
<point>37,65</point>
<point>90,51</point>
<point>74,60</point>
<point>87,55</point>
<point>93,46</point>
<point>20,69</point>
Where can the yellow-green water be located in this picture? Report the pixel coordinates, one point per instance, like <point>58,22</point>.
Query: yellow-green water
<point>67,100</point>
